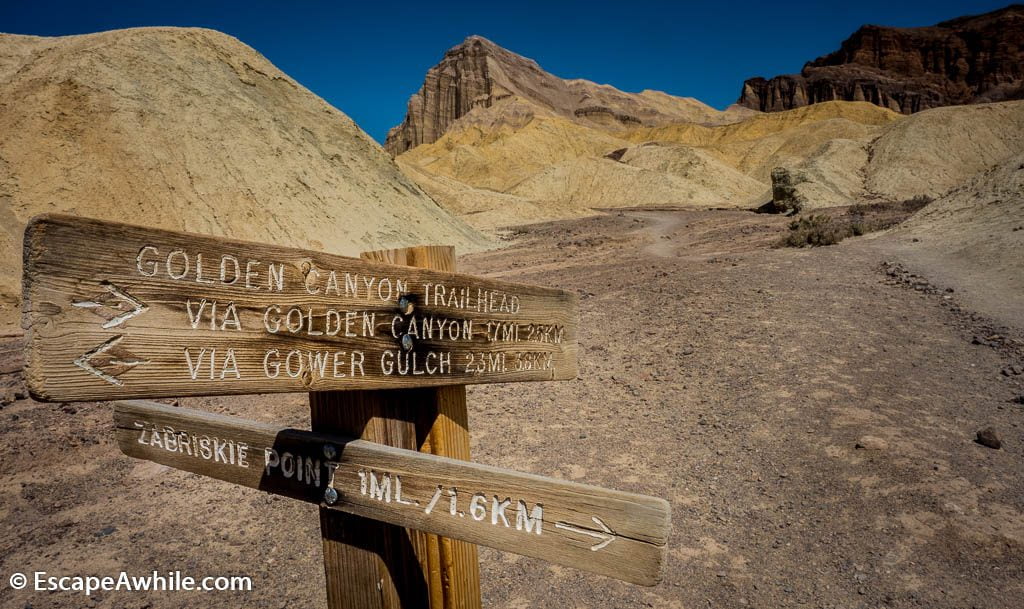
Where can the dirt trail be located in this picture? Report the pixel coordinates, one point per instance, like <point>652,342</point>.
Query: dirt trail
<point>735,380</point>
<point>659,228</point>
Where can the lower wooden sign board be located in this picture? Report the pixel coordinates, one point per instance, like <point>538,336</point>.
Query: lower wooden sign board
<point>613,533</point>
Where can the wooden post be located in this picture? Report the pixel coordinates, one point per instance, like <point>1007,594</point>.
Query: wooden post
<point>373,564</point>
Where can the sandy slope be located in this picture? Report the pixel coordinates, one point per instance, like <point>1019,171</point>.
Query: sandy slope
<point>601,182</point>
<point>190,129</point>
<point>484,209</point>
<point>644,176</point>
<point>936,150</point>
<point>974,238</point>
<point>929,153</point>
<point>710,180</point>
<point>498,147</point>
<point>759,126</point>
<point>832,175</point>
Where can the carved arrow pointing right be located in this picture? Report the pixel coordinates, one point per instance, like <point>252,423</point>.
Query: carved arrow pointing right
<point>606,537</point>
<point>123,298</point>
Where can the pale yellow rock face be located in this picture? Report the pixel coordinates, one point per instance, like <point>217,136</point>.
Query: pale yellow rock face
<point>710,181</point>
<point>759,125</point>
<point>933,151</point>
<point>484,209</point>
<point>189,129</point>
<point>832,175</point>
<point>514,162</point>
<point>928,154</point>
<point>496,148</point>
<point>758,157</point>
<point>765,141</point>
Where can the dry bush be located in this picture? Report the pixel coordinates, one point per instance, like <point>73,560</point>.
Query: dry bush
<point>859,219</point>
<point>814,230</point>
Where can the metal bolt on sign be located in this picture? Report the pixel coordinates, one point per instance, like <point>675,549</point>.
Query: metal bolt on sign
<point>330,496</point>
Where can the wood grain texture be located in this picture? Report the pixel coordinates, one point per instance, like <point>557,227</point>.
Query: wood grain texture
<point>431,420</point>
<point>117,311</point>
<point>370,562</point>
<point>572,523</point>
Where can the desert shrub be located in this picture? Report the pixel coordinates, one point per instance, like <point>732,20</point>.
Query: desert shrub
<point>857,215</point>
<point>858,219</point>
<point>815,230</point>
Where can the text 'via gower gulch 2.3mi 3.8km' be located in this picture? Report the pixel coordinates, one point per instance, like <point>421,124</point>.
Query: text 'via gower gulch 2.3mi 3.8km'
<point>121,311</point>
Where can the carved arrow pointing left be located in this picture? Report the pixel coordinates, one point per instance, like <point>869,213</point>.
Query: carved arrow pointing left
<point>107,360</point>
<point>118,361</point>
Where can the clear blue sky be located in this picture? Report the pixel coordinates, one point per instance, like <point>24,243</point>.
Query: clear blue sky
<point>366,58</point>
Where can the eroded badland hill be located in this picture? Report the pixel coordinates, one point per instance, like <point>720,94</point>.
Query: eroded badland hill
<point>190,129</point>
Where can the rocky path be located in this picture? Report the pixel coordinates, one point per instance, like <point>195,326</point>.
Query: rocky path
<point>658,227</point>
<point>810,417</point>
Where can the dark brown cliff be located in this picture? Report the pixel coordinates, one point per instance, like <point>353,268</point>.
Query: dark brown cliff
<point>965,60</point>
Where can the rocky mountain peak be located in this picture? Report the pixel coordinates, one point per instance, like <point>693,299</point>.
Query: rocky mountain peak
<point>479,73</point>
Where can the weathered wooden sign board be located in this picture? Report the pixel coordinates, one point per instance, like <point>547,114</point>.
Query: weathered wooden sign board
<point>618,534</point>
<point>118,311</point>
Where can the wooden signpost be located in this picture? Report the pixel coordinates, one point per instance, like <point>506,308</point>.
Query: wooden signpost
<point>115,311</point>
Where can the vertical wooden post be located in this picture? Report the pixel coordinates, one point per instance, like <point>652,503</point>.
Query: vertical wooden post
<point>374,564</point>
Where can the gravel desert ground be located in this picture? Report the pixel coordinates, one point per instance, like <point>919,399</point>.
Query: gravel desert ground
<point>810,414</point>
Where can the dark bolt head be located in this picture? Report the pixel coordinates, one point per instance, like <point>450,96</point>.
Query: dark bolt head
<point>330,496</point>
<point>405,305</point>
<point>407,343</point>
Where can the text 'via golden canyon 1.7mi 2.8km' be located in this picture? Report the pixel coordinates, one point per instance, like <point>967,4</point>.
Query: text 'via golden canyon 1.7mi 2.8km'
<point>125,307</point>
<point>325,322</point>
